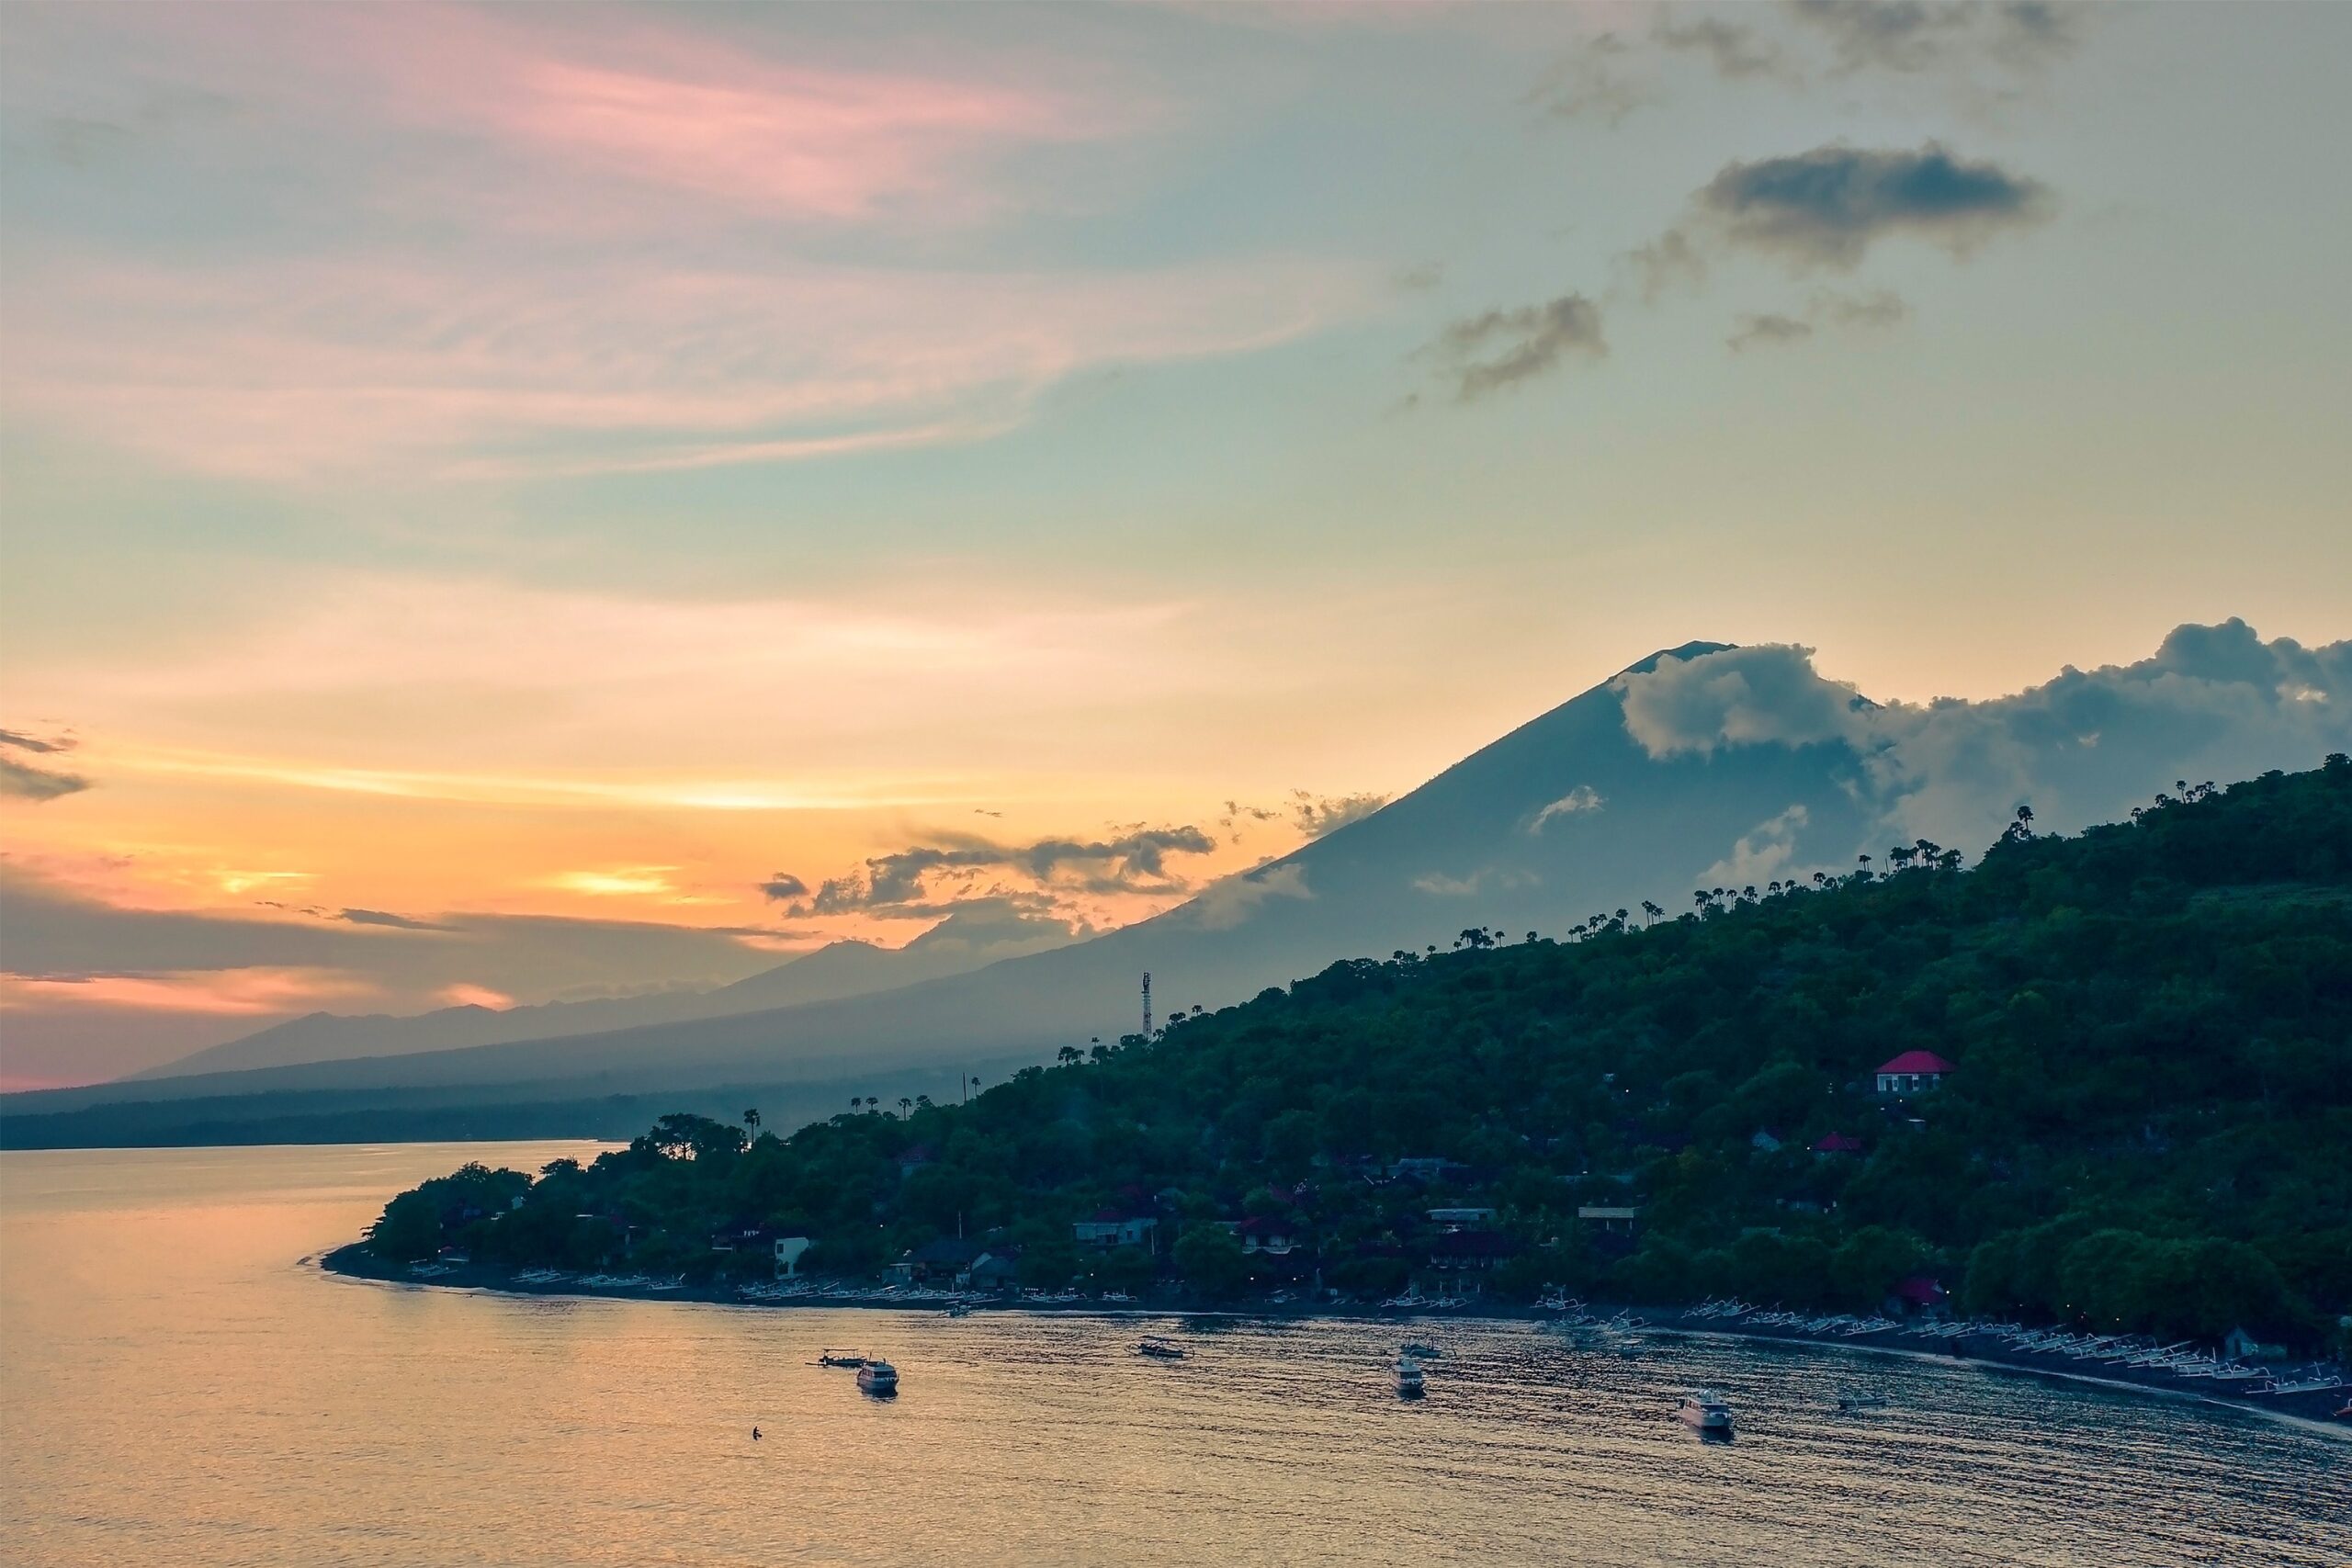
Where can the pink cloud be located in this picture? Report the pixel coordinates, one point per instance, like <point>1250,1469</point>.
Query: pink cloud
<point>319,369</point>
<point>832,145</point>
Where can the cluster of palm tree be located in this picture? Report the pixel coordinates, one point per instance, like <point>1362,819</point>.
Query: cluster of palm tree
<point>2189,792</point>
<point>869,1104</point>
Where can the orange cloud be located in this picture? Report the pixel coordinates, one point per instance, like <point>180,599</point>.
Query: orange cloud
<point>228,992</point>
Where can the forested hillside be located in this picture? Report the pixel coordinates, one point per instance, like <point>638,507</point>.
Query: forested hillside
<point>2148,1123</point>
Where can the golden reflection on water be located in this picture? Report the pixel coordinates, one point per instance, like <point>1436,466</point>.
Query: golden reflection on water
<point>175,1387</point>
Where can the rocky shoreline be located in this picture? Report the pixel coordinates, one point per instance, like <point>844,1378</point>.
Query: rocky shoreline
<point>2316,1407</point>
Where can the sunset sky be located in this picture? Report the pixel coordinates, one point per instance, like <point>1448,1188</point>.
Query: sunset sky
<point>508,503</point>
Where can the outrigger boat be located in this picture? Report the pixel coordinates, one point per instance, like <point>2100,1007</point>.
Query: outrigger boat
<point>1706,1411</point>
<point>1159,1349</point>
<point>838,1359</point>
<point>1410,1383</point>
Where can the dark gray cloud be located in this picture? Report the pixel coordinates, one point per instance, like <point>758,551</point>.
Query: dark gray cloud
<point>1500,349</point>
<point>1825,208</point>
<point>1914,36</point>
<point>386,918</point>
<point>22,780</point>
<point>1852,311</point>
<point>782,885</point>
<point>907,882</point>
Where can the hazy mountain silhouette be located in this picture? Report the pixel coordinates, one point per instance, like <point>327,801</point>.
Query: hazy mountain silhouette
<point>962,943</point>
<point>1701,766</point>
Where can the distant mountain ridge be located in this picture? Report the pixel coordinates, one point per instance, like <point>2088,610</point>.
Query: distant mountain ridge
<point>1703,765</point>
<point>835,971</point>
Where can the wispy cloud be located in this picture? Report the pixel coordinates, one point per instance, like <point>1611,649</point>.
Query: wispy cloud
<point>1500,349</point>
<point>1581,800</point>
<point>250,992</point>
<point>319,369</point>
<point>1913,36</point>
<point>1874,312</point>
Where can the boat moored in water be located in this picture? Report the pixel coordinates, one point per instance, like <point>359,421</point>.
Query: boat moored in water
<point>1410,1383</point>
<point>838,1359</point>
<point>1159,1349</point>
<point>1706,1411</point>
<point>878,1377</point>
<point>1414,1347</point>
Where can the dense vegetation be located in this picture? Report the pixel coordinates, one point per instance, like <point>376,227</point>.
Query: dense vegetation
<point>2150,1126</point>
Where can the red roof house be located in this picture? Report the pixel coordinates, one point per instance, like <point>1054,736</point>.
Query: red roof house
<point>1918,1293</point>
<point>1837,1143</point>
<point>1913,1072</point>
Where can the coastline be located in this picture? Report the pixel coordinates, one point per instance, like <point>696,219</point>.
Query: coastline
<point>2309,1411</point>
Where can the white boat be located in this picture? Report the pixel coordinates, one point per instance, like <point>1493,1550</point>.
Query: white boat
<point>878,1377</point>
<point>1158,1349</point>
<point>1705,1410</point>
<point>1410,1385</point>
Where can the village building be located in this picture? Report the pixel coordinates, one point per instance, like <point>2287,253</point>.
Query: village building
<point>997,1269</point>
<point>1268,1234</point>
<point>946,1259</point>
<point>788,1249</point>
<point>1110,1228</point>
<point>1470,1251</point>
<point>1609,1219</point>
<point>1914,1072</point>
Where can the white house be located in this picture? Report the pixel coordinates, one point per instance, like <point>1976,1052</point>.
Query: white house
<point>788,1249</point>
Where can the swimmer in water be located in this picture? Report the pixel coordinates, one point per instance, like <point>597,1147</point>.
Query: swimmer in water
<point>755,1434</point>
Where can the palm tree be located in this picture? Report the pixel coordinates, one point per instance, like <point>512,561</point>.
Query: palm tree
<point>906,1107</point>
<point>1650,912</point>
<point>1068,1056</point>
<point>752,1120</point>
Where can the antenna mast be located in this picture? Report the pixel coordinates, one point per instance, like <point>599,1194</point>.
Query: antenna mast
<point>1147,1004</point>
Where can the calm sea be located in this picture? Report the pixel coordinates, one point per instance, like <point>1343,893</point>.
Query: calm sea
<point>181,1386</point>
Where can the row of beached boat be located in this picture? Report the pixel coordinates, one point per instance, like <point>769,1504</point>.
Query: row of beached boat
<point>2113,1352</point>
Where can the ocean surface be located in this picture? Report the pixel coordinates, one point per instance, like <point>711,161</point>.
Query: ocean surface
<point>180,1384</point>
